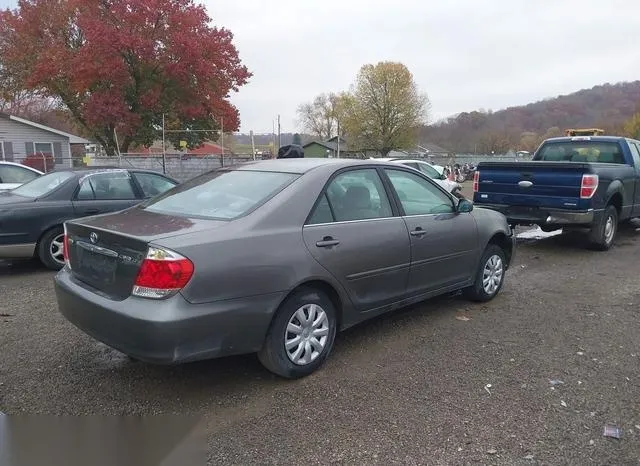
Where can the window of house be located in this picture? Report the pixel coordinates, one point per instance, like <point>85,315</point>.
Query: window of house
<point>45,148</point>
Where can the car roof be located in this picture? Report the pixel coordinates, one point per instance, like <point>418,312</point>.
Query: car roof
<point>587,138</point>
<point>14,164</point>
<point>299,166</point>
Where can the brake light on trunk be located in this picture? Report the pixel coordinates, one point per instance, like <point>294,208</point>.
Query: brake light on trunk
<point>476,181</point>
<point>588,186</point>
<point>65,247</point>
<point>162,274</point>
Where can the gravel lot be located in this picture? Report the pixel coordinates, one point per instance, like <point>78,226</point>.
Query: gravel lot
<point>414,387</point>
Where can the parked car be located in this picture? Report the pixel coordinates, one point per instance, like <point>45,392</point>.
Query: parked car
<point>274,257</point>
<point>587,183</point>
<point>431,171</point>
<point>13,175</point>
<point>32,215</point>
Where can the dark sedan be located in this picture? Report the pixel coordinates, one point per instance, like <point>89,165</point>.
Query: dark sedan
<point>32,215</point>
<point>274,257</point>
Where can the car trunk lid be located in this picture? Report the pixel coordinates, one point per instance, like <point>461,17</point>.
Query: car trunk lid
<point>106,252</point>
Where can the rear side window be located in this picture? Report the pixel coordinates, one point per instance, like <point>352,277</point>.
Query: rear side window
<point>106,186</point>
<point>223,195</point>
<point>581,151</point>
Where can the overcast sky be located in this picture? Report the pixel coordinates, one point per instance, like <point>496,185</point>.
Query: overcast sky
<point>465,54</point>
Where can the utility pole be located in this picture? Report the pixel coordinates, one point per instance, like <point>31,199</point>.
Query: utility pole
<point>279,134</point>
<point>338,142</point>
<point>253,145</point>
<point>222,141</point>
<point>273,136</point>
<point>164,157</point>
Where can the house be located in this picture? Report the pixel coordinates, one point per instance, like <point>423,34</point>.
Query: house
<point>329,148</point>
<point>20,138</point>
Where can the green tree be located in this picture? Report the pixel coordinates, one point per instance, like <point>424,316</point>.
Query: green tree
<point>631,127</point>
<point>384,110</point>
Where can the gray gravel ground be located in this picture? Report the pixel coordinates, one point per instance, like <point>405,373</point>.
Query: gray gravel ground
<point>407,388</point>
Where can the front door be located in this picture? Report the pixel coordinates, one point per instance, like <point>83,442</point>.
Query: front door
<point>101,193</point>
<point>443,241</point>
<point>355,236</point>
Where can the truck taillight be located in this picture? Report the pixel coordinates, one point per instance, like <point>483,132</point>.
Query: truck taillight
<point>588,186</point>
<point>476,180</point>
<point>162,274</point>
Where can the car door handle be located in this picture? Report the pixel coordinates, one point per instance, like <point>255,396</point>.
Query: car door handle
<point>327,242</point>
<point>419,232</point>
<point>92,211</point>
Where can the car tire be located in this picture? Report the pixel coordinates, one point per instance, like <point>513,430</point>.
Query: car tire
<point>602,235</point>
<point>281,354</point>
<point>492,266</point>
<point>50,248</point>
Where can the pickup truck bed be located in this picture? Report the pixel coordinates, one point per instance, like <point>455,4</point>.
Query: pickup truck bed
<point>575,189</point>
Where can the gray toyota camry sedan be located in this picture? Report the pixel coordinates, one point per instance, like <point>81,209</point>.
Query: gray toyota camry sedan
<point>275,257</point>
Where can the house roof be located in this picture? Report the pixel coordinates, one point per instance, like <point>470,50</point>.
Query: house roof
<point>73,139</point>
<point>329,145</point>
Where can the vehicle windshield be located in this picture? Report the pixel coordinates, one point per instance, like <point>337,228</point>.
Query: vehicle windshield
<point>222,195</point>
<point>42,185</point>
<point>581,151</point>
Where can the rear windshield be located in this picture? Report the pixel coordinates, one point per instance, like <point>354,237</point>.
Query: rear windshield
<point>222,195</point>
<point>42,185</point>
<point>581,151</point>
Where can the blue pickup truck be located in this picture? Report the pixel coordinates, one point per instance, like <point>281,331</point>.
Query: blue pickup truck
<point>587,183</point>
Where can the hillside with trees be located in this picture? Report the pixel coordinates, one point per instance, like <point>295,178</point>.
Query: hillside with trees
<point>607,106</point>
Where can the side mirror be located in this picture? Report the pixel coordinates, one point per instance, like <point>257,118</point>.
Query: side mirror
<point>464,206</point>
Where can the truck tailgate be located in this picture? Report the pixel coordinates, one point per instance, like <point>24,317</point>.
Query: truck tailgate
<point>554,185</point>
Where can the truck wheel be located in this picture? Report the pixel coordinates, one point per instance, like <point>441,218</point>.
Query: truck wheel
<point>301,335</point>
<point>602,235</point>
<point>489,276</point>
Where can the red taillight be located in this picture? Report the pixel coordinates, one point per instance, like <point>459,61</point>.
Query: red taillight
<point>476,180</point>
<point>162,274</point>
<point>65,247</point>
<point>588,186</point>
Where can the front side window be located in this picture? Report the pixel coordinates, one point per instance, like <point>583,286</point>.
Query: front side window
<point>358,195</point>
<point>14,174</point>
<point>106,186</point>
<point>223,195</point>
<point>417,195</point>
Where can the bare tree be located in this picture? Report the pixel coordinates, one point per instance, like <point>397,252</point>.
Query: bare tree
<point>319,117</point>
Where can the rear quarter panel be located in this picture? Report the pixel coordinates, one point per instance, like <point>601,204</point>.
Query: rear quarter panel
<point>28,222</point>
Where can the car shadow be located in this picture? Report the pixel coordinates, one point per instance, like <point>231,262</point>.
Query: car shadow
<point>21,267</point>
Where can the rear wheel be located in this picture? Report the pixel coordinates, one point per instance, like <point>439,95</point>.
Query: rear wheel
<point>490,275</point>
<point>51,248</point>
<point>301,335</point>
<point>602,235</point>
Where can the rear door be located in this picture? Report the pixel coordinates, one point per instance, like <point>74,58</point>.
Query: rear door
<point>100,193</point>
<point>353,233</point>
<point>635,153</point>
<point>443,242</point>
<point>152,184</point>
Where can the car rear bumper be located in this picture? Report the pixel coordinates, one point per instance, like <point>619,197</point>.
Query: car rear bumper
<point>167,331</point>
<point>543,216</point>
<point>17,251</point>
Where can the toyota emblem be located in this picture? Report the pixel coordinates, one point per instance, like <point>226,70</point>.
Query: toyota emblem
<point>93,237</point>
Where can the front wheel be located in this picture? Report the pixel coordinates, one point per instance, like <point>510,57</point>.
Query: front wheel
<point>51,248</point>
<point>301,335</point>
<point>490,275</point>
<point>602,235</point>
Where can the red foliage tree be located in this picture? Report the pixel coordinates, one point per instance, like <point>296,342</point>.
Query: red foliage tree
<point>118,66</point>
